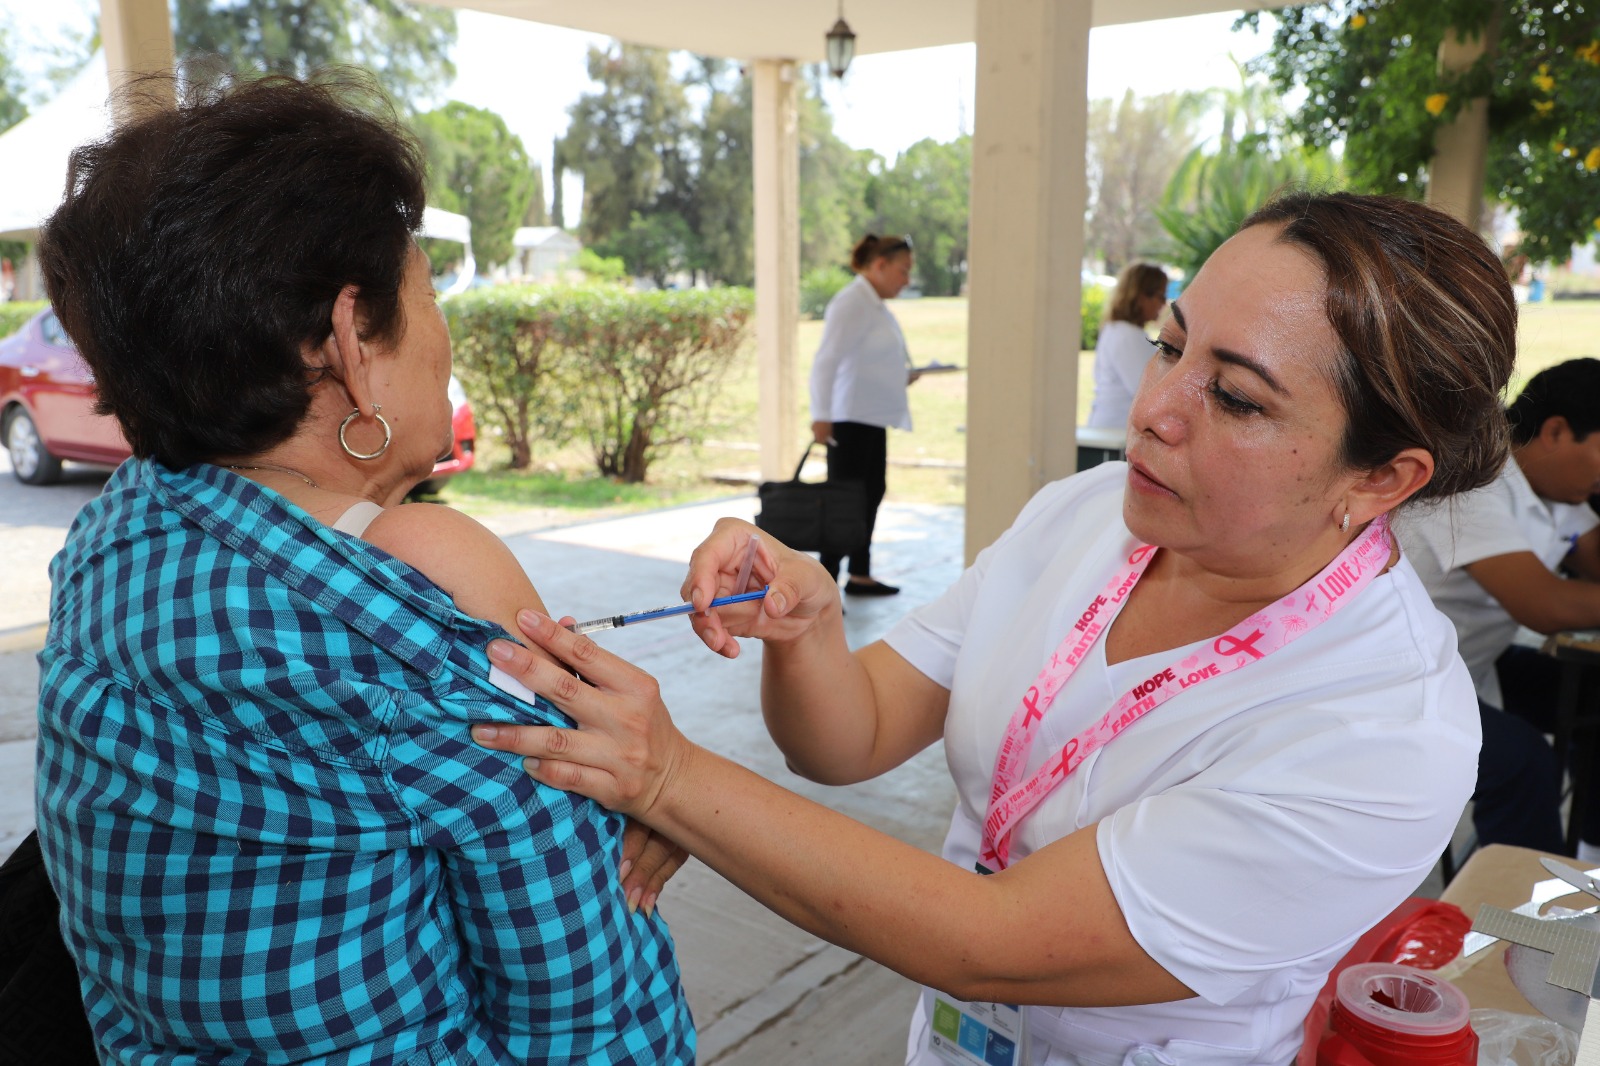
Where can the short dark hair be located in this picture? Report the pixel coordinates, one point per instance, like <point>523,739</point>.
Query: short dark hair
<point>1569,390</point>
<point>199,247</point>
<point>873,246</point>
<point>1428,325</point>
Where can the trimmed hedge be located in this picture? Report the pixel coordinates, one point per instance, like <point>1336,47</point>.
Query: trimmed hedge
<point>17,312</point>
<point>820,285</point>
<point>629,372</point>
<point>1093,308</point>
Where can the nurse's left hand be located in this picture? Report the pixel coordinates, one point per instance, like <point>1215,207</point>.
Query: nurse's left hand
<point>625,753</point>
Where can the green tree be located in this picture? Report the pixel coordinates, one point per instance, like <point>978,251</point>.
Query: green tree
<point>1374,82</point>
<point>724,192</point>
<point>838,187</point>
<point>478,167</point>
<point>406,45</point>
<point>1135,146</point>
<point>537,213</point>
<point>925,195</point>
<point>13,105</point>
<point>13,109</point>
<point>1211,193</point>
<point>628,139</point>
<point>655,246</point>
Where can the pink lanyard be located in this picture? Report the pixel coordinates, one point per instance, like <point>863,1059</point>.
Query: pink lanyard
<point>1255,638</point>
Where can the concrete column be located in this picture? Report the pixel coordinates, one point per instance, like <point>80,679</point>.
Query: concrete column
<point>1461,149</point>
<point>776,164</point>
<point>1026,246</point>
<point>137,35</point>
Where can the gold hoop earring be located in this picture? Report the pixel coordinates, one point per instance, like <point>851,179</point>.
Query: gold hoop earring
<point>388,435</point>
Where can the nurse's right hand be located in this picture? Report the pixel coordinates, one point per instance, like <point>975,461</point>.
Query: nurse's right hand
<point>801,598</point>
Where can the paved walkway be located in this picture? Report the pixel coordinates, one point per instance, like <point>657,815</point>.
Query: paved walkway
<point>763,993</point>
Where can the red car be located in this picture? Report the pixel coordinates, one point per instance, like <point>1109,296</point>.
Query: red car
<point>47,410</point>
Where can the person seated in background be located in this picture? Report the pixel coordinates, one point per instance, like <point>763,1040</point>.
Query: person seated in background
<point>272,837</point>
<point>1123,350</point>
<point>1490,559</point>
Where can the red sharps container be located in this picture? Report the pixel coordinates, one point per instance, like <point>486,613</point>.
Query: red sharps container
<point>1385,1014</point>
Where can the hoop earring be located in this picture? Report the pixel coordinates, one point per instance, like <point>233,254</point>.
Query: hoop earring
<point>388,435</point>
<point>1344,527</point>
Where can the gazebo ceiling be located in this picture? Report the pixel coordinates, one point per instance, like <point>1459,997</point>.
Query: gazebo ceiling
<point>794,29</point>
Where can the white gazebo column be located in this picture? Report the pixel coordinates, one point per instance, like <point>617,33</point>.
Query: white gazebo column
<point>776,168</point>
<point>1461,149</point>
<point>1025,252</point>
<point>137,35</point>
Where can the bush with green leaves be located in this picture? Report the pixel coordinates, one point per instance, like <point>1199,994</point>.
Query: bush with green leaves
<point>597,267</point>
<point>629,372</point>
<point>14,314</point>
<point>507,364</point>
<point>1091,311</point>
<point>819,286</point>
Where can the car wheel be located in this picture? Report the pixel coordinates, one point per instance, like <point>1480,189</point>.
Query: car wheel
<point>31,461</point>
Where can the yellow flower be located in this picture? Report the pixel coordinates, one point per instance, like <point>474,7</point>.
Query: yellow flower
<point>1597,223</point>
<point>1592,160</point>
<point>1357,21</point>
<point>1544,107</point>
<point>1590,53</point>
<point>1544,82</point>
<point>1435,103</point>
<point>1544,68</point>
<point>1558,146</point>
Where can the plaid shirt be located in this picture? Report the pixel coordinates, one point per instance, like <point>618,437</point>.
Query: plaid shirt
<point>273,837</point>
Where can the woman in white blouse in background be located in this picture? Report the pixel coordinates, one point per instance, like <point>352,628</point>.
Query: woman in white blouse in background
<point>1123,349</point>
<point>858,388</point>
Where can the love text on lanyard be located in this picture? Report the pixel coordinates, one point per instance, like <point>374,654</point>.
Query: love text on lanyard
<point>1253,639</point>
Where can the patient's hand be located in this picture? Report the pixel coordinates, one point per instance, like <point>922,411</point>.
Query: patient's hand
<point>648,862</point>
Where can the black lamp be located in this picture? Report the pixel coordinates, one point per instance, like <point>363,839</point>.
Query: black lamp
<point>841,45</point>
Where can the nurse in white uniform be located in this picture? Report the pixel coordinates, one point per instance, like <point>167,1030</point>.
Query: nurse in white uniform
<point>1206,727</point>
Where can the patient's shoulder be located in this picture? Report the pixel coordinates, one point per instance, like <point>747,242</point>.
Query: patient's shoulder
<point>460,556</point>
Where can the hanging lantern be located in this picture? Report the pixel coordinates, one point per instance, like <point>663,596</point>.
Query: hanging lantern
<point>841,46</point>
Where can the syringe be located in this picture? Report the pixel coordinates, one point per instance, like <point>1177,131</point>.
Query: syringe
<point>617,621</point>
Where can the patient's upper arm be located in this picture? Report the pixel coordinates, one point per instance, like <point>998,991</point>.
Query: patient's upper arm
<point>460,556</point>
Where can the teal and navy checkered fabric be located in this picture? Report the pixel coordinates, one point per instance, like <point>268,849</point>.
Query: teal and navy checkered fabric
<point>273,837</point>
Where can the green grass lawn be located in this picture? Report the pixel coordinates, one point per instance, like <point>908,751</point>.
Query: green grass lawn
<point>936,330</point>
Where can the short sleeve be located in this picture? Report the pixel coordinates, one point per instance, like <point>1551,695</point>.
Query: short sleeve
<point>930,638</point>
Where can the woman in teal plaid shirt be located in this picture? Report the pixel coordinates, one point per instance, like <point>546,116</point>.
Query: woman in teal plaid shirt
<point>272,836</point>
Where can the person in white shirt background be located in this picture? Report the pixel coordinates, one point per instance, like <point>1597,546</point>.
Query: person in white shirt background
<point>1196,865</point>
<point>1123,348</point>
<point>858,389</point>
<point>1489,560</point>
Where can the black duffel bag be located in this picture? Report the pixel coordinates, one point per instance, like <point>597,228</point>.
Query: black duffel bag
<point>822,516</point>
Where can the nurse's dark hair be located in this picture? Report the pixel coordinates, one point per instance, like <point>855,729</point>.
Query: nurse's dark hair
<point>1428,327</point>
<point>200,248</point>
<point>1569,390</point>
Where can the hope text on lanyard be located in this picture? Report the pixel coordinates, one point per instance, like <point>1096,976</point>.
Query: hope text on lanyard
<point>1255,638</point>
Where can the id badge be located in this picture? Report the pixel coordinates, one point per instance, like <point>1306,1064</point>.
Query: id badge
<point>977,1034</point>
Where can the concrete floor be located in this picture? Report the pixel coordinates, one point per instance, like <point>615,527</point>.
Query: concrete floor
<point>762,992</point>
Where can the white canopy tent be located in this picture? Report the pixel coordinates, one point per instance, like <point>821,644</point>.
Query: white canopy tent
<point>33,153</point>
